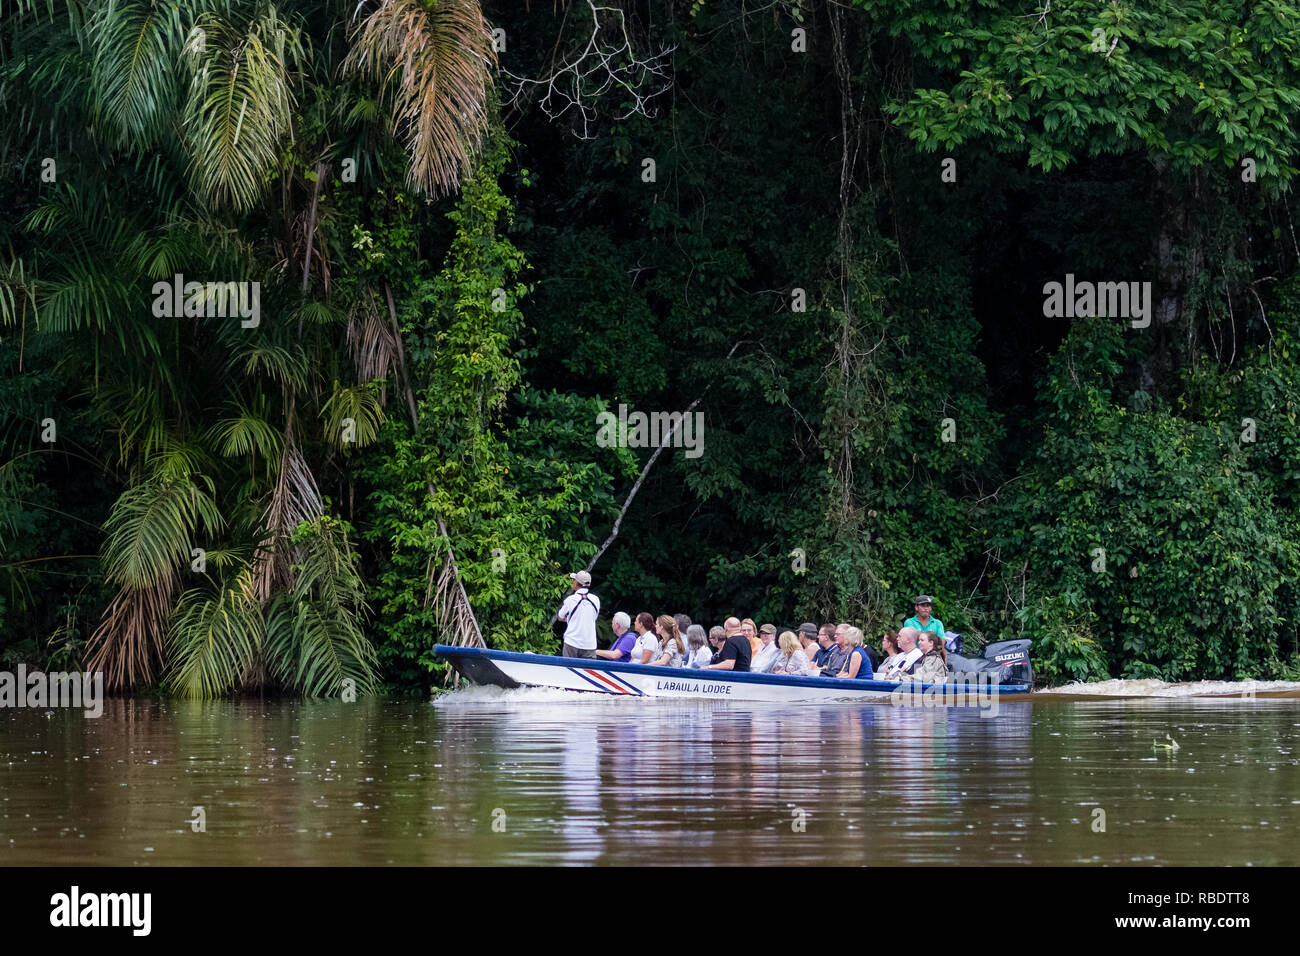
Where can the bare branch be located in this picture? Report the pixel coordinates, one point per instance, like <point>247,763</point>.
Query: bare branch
<point>608,63</point>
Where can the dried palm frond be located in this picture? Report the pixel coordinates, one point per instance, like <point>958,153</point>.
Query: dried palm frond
<point>128,646</point>
<point>373,345</point>
<point>294,499</point>
<point>442,61</point>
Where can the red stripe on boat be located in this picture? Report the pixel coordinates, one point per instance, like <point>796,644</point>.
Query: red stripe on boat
<point>605,680</point>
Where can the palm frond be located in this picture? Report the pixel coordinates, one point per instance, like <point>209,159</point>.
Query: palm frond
<point>435,64</point>
<point>140,419</point>
<point>358,405</point>
<point>240,104</point>
<point>314,638</point>
<point>137,46</point>
<point>288,366</point>
<point>17,298</point>
<point>294,500</point>
<point>177,460</point>
<point>318,313</point>
<point>128,645</point>
<point>212,641</point>
<point>372,342</point>
<point>247,433</point>
<point>150,530</point>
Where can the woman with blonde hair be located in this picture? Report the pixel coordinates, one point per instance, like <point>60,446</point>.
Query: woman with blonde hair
<point>793,661</point>
<point>750,630</point>
<point>857,666</point>
<point>671,644</point>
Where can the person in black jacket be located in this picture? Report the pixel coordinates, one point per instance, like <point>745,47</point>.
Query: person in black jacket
<point>734,654</point>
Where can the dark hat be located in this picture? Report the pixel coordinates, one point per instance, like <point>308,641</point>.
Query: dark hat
<point>923,599</point>
<point>809,628</point>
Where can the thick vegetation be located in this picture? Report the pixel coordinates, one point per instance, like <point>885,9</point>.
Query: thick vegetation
<point>826,227</point>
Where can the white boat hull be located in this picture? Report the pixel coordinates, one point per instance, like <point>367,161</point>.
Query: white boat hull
<point>506,669</point>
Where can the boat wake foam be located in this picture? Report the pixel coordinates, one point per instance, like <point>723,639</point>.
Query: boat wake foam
<point>474,695</point>
<point>1158,688</point>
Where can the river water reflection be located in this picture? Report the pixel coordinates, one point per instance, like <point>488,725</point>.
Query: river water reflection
<point>541,777</point>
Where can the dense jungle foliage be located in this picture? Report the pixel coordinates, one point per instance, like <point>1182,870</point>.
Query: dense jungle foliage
<point>825,225</point>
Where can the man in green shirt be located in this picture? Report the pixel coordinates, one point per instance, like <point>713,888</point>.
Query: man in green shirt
<point>923,621</point>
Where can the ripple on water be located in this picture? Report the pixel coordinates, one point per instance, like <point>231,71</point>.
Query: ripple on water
<point>488,776</point>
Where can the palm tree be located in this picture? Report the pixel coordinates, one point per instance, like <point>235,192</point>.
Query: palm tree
<point>180,118</point>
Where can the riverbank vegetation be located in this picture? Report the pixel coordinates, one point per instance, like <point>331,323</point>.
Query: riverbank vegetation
<point>826,226</point>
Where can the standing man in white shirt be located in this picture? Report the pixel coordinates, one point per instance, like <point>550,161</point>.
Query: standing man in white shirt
<point>579,612</point>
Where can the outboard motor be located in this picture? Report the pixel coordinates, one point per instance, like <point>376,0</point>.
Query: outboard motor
<point>1012,658</point>
<point>1006,662</point>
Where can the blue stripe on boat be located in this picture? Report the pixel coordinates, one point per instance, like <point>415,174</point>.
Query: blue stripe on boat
<point>630,687</point>
<point>594,683</point>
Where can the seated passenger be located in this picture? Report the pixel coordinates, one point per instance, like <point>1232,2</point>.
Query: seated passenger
<point>733,655</point>
<point>794,659</point>
<point>807,638</point>
<point>839,652</point>
<point>671,645</point>
<point>857,665</point>
<point>825,644</point>
<point>646,647</point>
<point>718,636</point>
<point>933,666</point>
<point>888,647</point>
<point>905,660</point>
<point>624,638</point>
<point>698,651</point>
<point>768,652</point>
<point>750,630</point>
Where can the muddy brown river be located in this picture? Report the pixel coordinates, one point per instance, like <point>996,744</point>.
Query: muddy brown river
<point>484,776</point>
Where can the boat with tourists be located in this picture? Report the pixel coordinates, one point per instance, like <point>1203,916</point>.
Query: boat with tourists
<point>1002,670</point>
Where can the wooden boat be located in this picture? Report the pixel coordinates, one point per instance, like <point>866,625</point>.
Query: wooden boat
<point>508,669</point>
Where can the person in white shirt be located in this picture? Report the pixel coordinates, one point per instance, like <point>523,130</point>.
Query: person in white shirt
<point>905,660</point>
<point>768,652</point>
<point>697,645</point>
<point>579,612</point>
<point>646,647</point>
